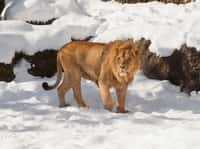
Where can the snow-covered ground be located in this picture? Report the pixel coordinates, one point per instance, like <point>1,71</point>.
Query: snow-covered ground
<point>161,117</point>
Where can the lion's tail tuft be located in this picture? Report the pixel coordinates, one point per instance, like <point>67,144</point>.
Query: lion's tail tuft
<point>46,86</point>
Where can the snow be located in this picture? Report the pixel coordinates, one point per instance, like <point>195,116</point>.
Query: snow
<point>160,116</point>
<point>41,10</point>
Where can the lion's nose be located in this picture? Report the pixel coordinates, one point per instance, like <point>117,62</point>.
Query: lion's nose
<point>122,67</point>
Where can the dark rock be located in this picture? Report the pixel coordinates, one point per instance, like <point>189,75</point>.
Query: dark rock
<point>48,22</point>
<point>6,72</point>
<point>85,39</point>
<point>17,58</point>
<point>43,63</point>
<point>181,68</point>
<point>191,68</point>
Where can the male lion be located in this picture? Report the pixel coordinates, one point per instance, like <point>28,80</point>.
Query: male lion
<point>108,65</point>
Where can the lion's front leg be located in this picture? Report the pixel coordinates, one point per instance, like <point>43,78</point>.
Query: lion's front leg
<point>105,95</point>
<point>121,98</point>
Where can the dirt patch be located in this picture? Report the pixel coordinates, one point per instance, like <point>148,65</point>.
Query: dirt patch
<point>164,1</point>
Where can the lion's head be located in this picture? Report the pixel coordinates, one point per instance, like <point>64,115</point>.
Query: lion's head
<point>125,60</point>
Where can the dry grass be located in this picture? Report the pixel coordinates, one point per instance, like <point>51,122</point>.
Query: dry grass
<point>165,1</point>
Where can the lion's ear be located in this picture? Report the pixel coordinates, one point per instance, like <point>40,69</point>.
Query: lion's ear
<point>130,41</point>
<point>134,47</point>
<point>143,44</point>
<point>135,51</point>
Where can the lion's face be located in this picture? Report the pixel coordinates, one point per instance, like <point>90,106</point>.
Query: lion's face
<point>126,61</point>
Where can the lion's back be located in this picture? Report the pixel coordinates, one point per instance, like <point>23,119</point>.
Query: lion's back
<point>84,55</point>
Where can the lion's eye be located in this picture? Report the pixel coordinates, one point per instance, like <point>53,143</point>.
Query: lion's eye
<point>119,58</point>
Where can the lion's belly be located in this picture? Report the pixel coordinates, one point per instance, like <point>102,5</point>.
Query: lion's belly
<point>89,73</point>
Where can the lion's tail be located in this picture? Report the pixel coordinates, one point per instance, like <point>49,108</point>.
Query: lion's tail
<point>45,85</point>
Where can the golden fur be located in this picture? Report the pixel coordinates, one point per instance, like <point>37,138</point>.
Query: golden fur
<point>108,65</point>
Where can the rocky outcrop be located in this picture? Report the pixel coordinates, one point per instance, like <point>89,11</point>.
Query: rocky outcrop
<point>43,63</point>
<point>48,22</point>
<point>181,68</point>
<point>6,72</point>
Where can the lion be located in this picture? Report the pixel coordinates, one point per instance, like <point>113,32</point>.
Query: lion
<point>108,65</point>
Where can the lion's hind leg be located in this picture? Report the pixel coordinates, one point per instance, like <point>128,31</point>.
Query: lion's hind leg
<point>78,96</point>
<point>77,88</point>
<point>62,89</point>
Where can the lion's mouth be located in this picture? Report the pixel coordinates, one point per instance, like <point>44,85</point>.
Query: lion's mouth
<point>122,73</point>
